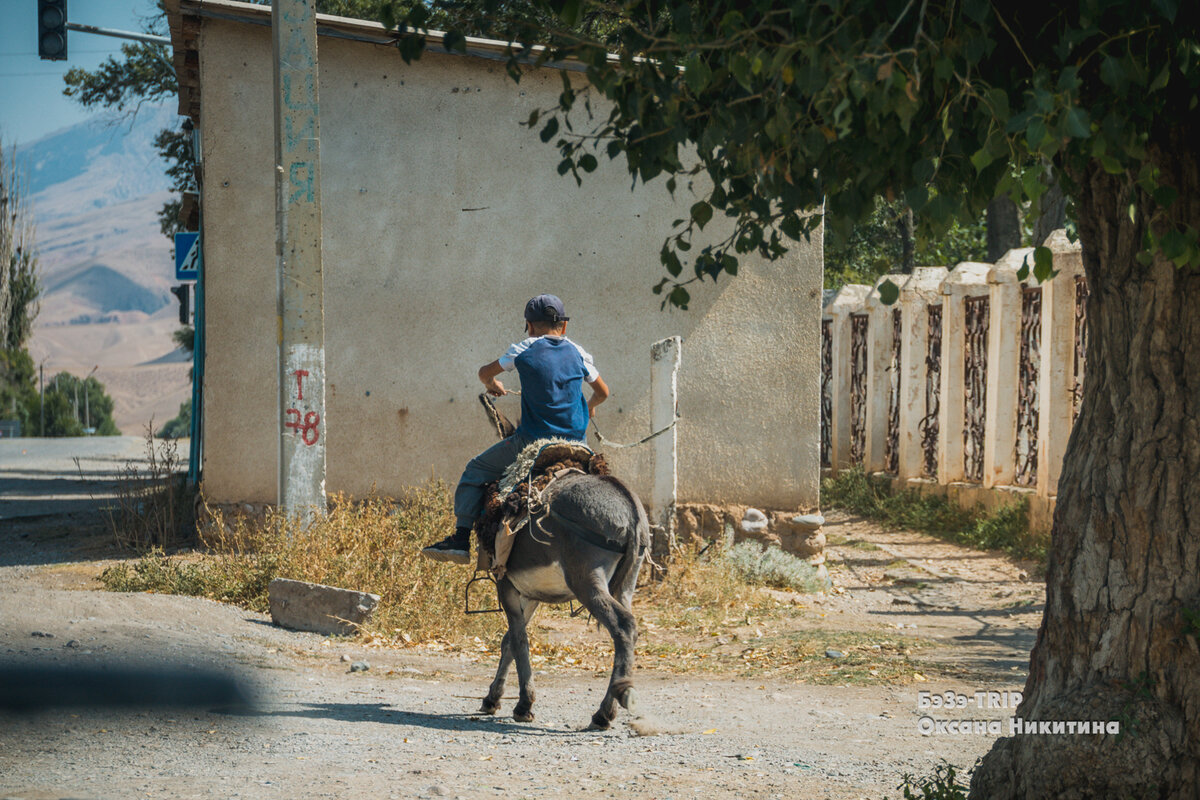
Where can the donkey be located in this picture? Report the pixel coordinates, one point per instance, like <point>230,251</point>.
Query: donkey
<point>589,545</point>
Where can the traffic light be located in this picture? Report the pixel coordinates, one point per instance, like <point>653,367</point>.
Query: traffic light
<point>183,292</point>
<point>52,30</point>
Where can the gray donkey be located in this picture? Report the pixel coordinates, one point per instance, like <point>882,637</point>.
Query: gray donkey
<point>588,545</point>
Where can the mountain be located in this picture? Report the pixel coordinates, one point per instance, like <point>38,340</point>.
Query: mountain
<point>94,190</point>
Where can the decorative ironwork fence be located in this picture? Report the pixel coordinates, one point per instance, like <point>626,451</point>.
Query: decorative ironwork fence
<point>1025,452</point>
<point>933,390</point>
<point>1081,300</point>
<point>858,386</point>
<point>974,385</point>
<point>826,391</point>
<point>891,445</point>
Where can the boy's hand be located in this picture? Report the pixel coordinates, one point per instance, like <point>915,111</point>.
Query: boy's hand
<point>487,376</point>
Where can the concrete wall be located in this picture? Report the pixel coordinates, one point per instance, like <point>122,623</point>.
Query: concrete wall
<point>442,216</point>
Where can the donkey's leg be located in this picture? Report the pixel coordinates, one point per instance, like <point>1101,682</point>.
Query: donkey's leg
<point>518,641</point>
<point>491,703</point>
<point>620,624</point>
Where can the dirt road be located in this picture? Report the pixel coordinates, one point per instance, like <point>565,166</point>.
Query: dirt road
<point>405,727</point>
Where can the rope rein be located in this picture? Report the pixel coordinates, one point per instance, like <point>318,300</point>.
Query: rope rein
<point>609,443</point>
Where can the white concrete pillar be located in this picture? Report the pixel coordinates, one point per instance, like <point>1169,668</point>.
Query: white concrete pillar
<point>664,403</point>
<point>849,300</point>
<point>916,295</point>
<point>879,375</point>
<point>1003,368</point>
<point>968,279</point>
<point>1057,380</point>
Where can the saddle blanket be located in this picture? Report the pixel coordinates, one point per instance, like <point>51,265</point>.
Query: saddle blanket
<point>523,484</point>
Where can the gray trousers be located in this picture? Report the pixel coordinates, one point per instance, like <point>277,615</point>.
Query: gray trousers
<point>481,470</point>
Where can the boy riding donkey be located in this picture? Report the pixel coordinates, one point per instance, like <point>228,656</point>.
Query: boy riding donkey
<point>552,370</point>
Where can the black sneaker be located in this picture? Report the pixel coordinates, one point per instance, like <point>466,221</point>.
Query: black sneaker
<point>455,548</point>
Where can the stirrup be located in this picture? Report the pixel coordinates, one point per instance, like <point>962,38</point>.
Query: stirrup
<point>486,576</point>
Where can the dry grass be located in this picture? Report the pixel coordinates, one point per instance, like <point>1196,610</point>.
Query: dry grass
<point>373,545</point>
<point>370,545</point>
<point>153,503</point>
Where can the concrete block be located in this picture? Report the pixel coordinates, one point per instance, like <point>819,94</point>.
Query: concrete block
<point>322,609</point>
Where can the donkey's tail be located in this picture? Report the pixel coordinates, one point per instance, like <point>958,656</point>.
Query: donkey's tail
<point>637,543</point>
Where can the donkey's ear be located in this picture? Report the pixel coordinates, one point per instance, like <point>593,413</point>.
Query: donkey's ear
<point>504,428</point>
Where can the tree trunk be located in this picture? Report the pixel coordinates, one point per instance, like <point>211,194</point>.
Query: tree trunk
<point>1118,640</point>
<point>1053,213</point>
<point>906,229</point>
<point>1003,228</point>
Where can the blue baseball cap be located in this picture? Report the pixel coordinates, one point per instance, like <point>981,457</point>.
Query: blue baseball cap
<point>545,308</point>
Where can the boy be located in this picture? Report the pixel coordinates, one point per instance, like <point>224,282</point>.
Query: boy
<point>552,370</point>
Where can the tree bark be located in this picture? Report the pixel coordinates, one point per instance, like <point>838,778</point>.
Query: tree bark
<point>1116,642</point>
<point>1003,228</point>
<point>906,229</point>
<point>1053,213</point>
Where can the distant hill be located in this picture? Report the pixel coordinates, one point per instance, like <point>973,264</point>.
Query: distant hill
<point>105,267</point>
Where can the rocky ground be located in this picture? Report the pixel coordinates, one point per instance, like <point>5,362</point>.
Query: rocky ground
<point>405,727</point>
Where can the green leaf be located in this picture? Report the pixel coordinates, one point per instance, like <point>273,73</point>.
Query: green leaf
<point>1035,134</point>
<point>1111,165</point>
<point>569,13</point>
<point>1023,272</point>
<point>588,162</point>
<point>1043,264</point>
<point>614,148</point>
<point>696,74</point>
<point>889,292</point>
<point>564,166</point>
<point>1077,123</point>
<point>981,159</point>
<point>730,264</point>
<point>455,41</point>
<point>1165,196</point>
<point>533,118</point>
<point>739,65</point>
<point>702,212</point>
<point>549,129</point>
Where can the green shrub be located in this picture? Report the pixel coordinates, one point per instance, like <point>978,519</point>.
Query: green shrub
<point>1005,529</point>
<point>771,566</point>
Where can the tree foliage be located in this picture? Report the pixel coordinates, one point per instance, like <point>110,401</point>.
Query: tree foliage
<point>768,110</point>
<point>73,405</point>
<point>18,259</point>
<point>19,290</point>
<point>180,425</point>
<point>874,247</point>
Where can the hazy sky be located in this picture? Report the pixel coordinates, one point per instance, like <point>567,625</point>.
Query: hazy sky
<point>31,100</point>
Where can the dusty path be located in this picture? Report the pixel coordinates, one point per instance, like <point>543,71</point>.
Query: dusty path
<point>405,728</point>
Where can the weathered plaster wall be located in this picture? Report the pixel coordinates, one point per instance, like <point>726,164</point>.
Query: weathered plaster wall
<point>441,217</point>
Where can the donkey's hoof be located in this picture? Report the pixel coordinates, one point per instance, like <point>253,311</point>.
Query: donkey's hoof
<point>489,708</point>
<point>629,701</point>
<point>523,716</point>
<point>599,723</point>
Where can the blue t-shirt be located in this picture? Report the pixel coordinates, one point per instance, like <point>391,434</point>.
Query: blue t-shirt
<point>552,369</point>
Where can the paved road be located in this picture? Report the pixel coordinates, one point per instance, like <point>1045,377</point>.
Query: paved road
<point>40,477</point>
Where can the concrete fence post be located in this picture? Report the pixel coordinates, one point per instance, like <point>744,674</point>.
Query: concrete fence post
<point>849,299</point>
<point>968,279</point>
<point>1003,368</point>
<point>1057,380</point>
<point>664,375</point>
<point>879,362</point>
<point>916,295</point>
